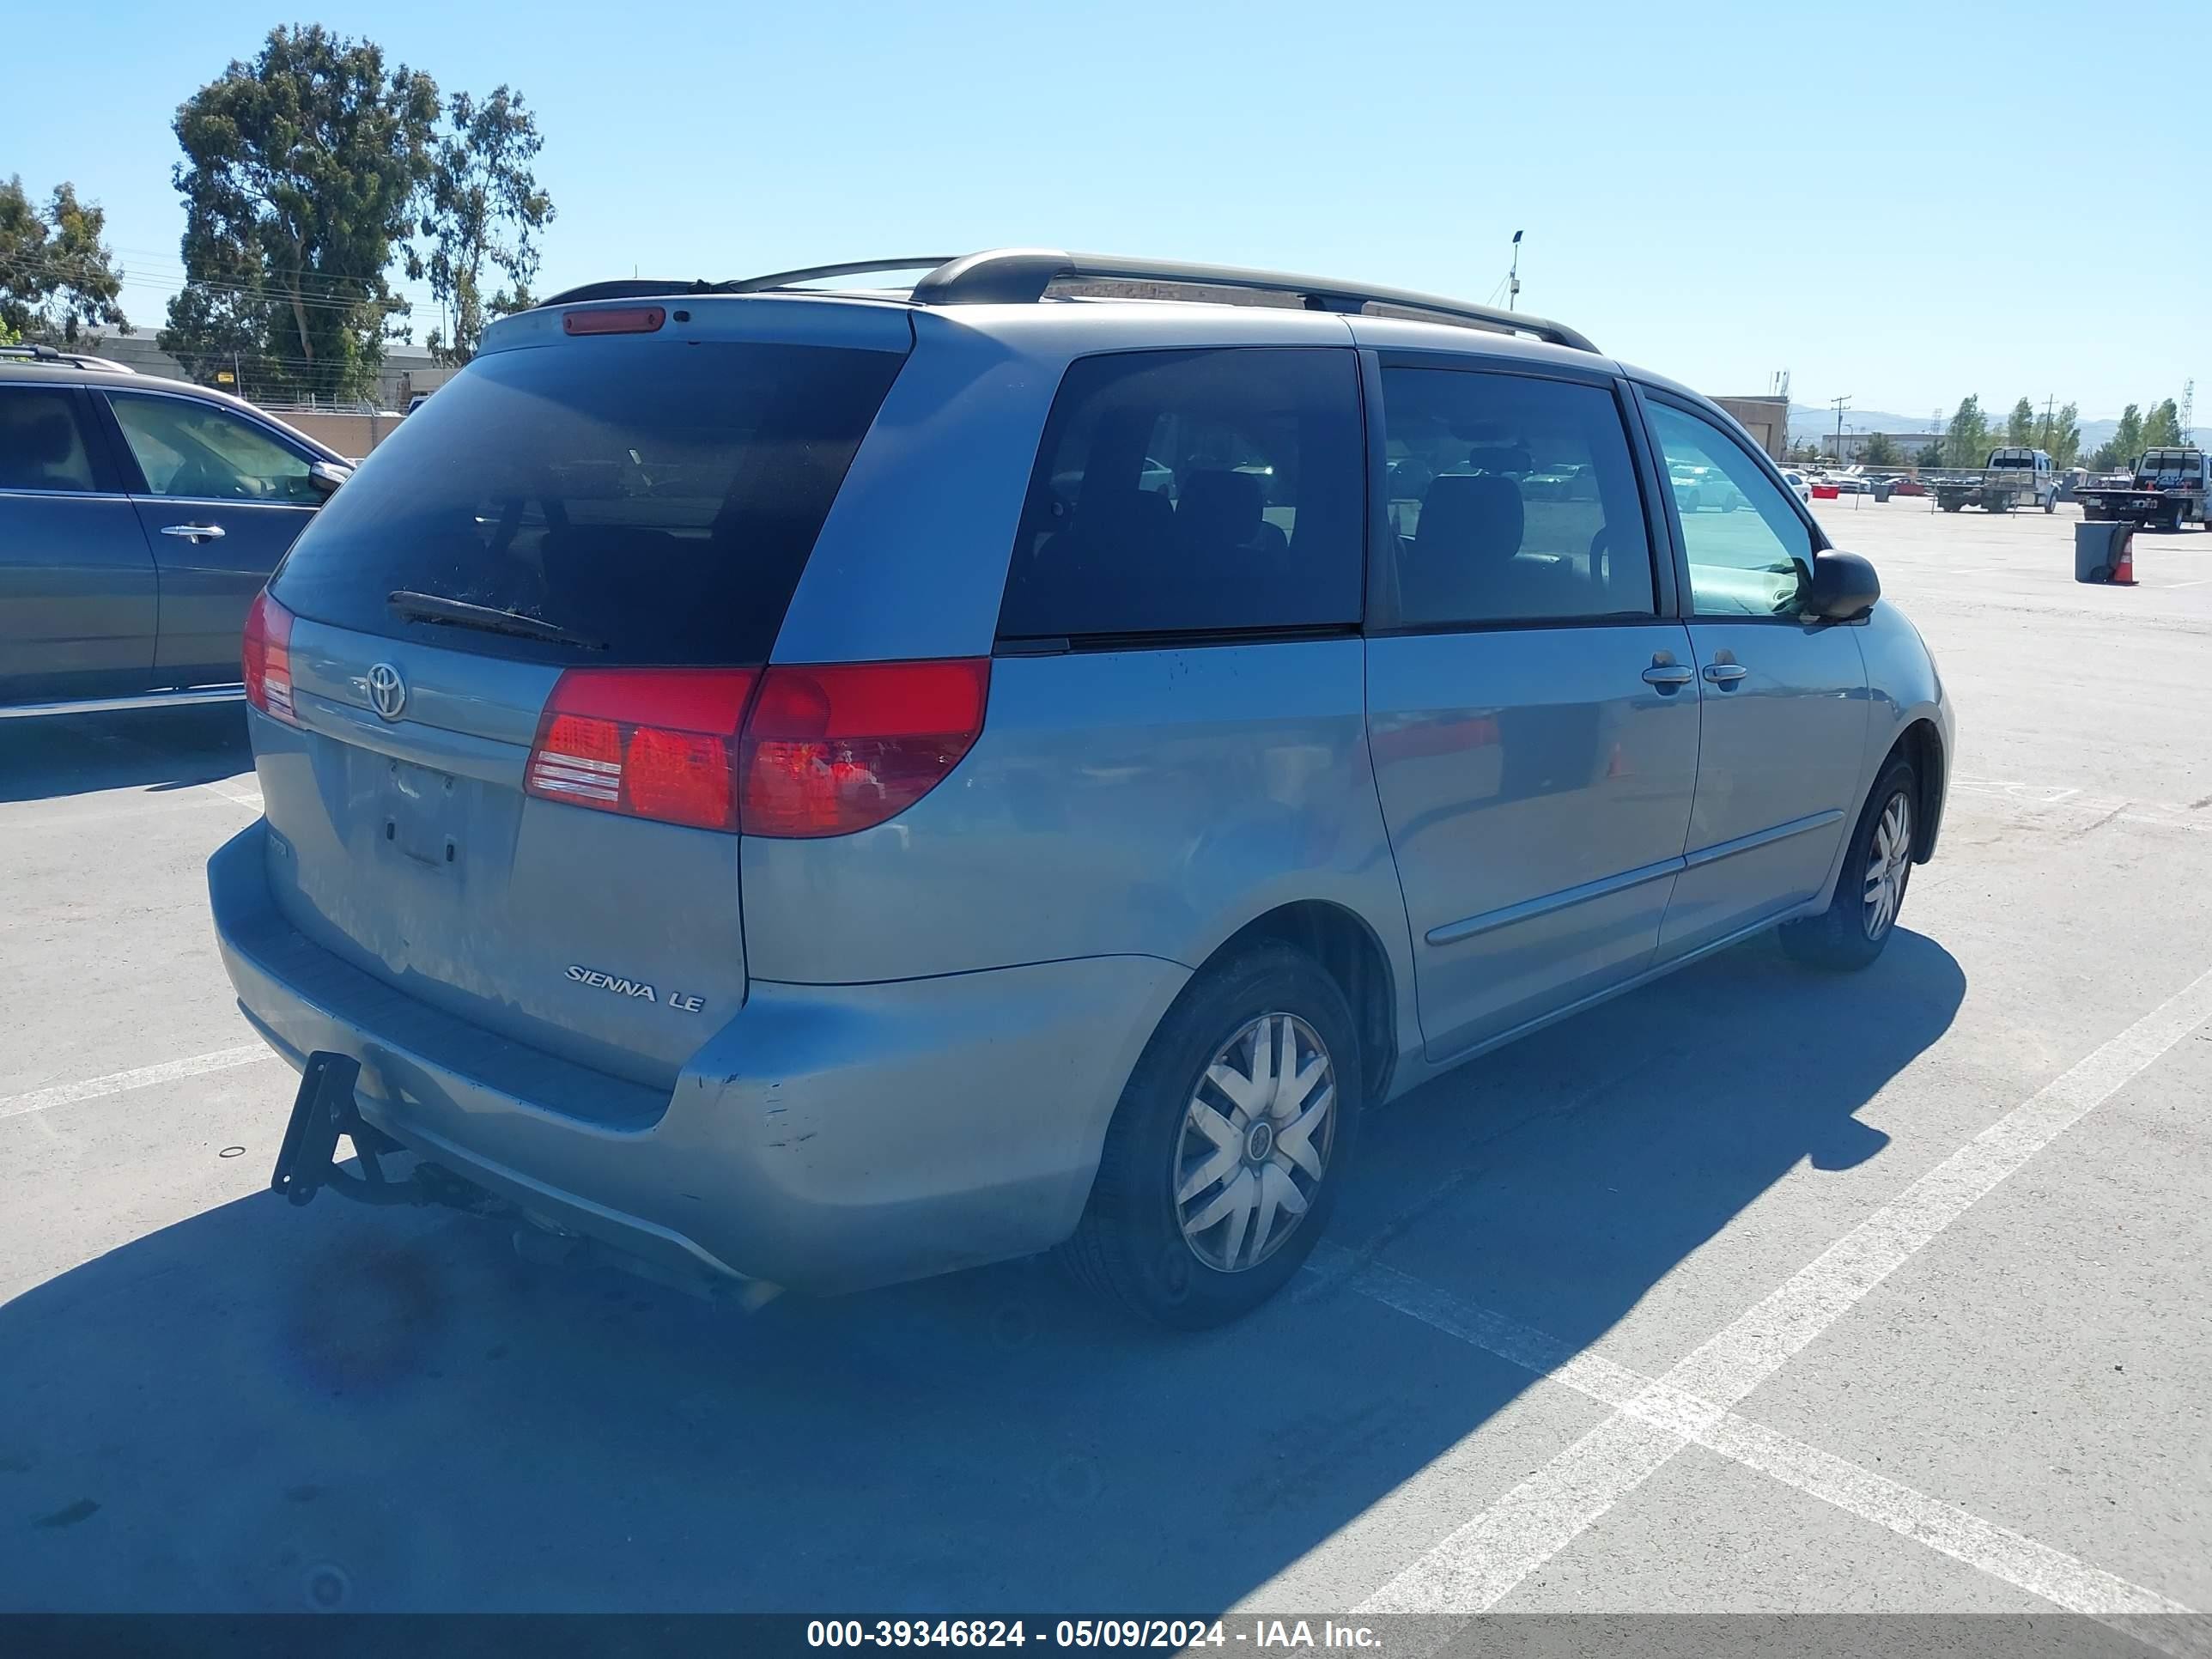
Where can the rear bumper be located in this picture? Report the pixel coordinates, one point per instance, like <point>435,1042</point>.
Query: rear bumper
<point>828,1138</point>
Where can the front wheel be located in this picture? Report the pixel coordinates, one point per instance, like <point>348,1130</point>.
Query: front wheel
<point>2050,503</point>
<point>1225,1153</point>
<point>1870,891</point>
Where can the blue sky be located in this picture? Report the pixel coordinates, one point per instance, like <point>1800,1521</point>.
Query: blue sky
<point>1890,202</point>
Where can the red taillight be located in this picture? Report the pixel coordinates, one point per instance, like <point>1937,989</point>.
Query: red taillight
<point>825,751</point>
<point>267,657</point>
<point>633,320</point>
<point>651,743</point>
<point>829,750</point>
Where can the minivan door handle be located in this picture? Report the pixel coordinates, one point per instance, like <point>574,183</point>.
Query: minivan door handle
<point>1725,673</point>
<point>193,532</point>
<point>1667,673</point>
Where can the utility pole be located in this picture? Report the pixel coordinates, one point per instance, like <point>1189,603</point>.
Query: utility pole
<point>2050,431</point>
<point>1841,404</point>
<point>2188,410</point>
<point>1513,277</point>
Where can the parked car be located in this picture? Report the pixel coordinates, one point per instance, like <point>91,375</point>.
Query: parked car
<point>1565,481</point>
<point>1852,484</point>
<point>138,519</point>
<point>1905,485</point>
<point>858,866</point>
<point>1800,486</point>
<point>1703,488</point>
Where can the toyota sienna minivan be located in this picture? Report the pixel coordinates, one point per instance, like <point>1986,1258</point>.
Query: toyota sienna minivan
<point>822,786</point>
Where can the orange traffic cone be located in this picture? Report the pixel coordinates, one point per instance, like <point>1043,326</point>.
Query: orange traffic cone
<point>2123,562</point>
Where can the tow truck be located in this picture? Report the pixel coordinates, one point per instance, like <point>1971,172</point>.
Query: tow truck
<point>2012,476</point>
<point>2164,490</point>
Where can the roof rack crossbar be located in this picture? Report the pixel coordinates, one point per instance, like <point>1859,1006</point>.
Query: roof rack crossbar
<point>1021,275</point>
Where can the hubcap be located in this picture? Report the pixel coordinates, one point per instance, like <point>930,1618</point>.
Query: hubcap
<point>1256,1142</point>
<point>1888,862</point>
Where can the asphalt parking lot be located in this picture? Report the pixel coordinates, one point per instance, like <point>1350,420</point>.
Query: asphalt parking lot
<point>1753,1291</point>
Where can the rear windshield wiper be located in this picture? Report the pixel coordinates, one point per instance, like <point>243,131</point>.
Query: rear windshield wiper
<point>488,619</point>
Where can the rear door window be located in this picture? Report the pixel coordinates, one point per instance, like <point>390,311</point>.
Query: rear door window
<point>42,444</point>
<point>1511,499</point>
<point>657,500</point>
<point>1194,492</point>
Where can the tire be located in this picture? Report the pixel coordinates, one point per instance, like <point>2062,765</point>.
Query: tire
<point>1847,935</point>
<point>1952,507</point>
<point>2050,504</point>
<point>1132,1248</point>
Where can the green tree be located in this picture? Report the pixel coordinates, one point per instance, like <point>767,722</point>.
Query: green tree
<point>2019,425</point>
<point>57,280</point>
<point>2128,441</point>
<point>1966,440</point>
<point>482,208</point>
<point>301,176</point>
<point>2162,427</point>
<point>2062,436</point>
<point>1879,450</point>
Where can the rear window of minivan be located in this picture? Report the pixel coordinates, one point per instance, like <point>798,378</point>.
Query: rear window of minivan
<point>658,500</point>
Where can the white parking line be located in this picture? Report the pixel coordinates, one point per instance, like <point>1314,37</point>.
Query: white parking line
<point>115,1083</point>
<point>1478,1564</point>
<point>1644,1403</point>
<point>2167,814</point>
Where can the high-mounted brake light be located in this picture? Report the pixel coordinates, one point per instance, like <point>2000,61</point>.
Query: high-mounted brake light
<point>832,749</point>
<point>629,319</point>
<point>825,749</point>
<point>266,657</point>
<point>650,743</point>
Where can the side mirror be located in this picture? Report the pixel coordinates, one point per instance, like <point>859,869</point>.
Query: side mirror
<point>328,476</point>
<point>1844,587</point>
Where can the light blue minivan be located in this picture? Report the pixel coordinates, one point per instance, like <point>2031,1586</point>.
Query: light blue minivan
<point>825,786</point>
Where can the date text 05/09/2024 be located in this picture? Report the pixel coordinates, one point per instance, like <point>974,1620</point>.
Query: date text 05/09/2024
<point>1171,1634</point>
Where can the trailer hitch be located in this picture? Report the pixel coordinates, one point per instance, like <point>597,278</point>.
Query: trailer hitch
<point>325,1111</point>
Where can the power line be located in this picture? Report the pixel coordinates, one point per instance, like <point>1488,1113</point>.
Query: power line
<point>21,266</point>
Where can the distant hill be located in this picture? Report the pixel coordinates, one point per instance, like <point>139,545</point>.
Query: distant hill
<point>1815,423</point>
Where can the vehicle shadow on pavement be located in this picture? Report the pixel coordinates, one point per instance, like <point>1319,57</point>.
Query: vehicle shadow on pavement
<point>53,756</point>
<point>268,1408</point>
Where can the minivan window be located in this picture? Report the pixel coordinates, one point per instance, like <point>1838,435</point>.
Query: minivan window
<point>1511,499</point>
<point>658,499</point>
<point>41,444</point>
<point>1193,492</point>
<point>1749,553</point>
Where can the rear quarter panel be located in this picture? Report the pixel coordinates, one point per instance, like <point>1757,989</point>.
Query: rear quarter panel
<point>1149,802</point>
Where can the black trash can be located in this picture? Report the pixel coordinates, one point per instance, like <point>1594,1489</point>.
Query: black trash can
<point>2097,548</point>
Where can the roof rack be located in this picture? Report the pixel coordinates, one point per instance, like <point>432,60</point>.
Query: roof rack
<point>639,287</point>
<point>46,354</point>
<point>1021,276</point>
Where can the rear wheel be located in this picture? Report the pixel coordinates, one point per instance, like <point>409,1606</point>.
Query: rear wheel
<point>1224,1157</point>
<point>1851,932</point>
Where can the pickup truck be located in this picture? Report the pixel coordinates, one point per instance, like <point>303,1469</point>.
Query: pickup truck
<point>2164,490</point>
<point>138,518</point>
<point>2011,477</point>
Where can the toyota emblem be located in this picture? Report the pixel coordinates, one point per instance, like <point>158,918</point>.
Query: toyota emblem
<point>387,692</point>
